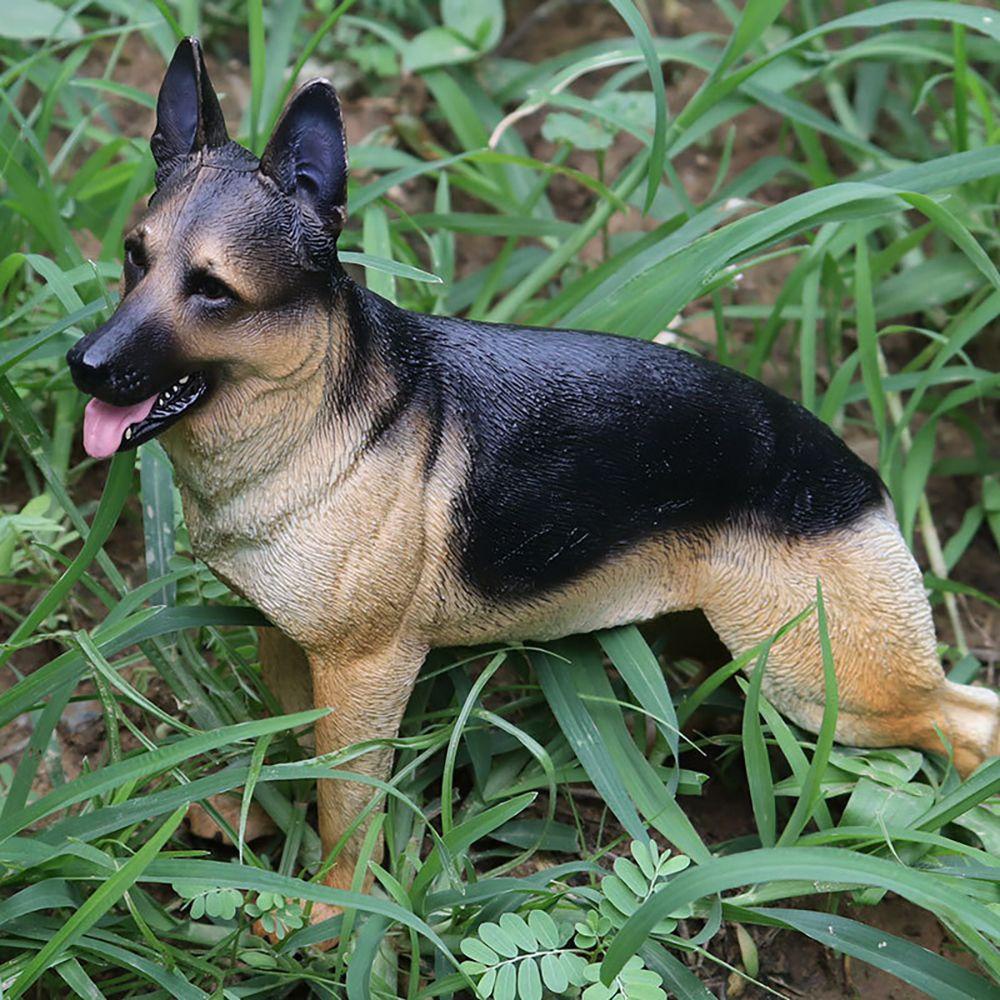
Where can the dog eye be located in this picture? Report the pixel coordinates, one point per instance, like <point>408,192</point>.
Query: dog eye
<point>136,264</point>
<point>209,287</point>
<point>134,257</point>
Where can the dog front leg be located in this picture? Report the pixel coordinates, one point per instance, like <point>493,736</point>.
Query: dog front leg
<point>367,694</point>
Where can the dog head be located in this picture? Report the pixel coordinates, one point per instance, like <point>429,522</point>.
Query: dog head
<point>228,275</point>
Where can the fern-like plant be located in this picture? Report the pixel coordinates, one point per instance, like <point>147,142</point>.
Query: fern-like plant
<point>204,899</point>
<point>633,882</point>
<point>516,956</point>
<point>530,956</point>
<point>634,982</point>
<point>277,915</point>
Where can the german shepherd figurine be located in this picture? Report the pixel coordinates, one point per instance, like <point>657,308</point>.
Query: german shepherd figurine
<point>380,482</point>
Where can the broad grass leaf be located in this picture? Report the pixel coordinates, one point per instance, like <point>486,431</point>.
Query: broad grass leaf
<point>38,19</point>
<point>462,836</point>
<point>587,681</point>
<point>116,954</point>
<point>984,821</point>
<point>436,47</point>
<point>758,766</point>
<point>361,970</point>
<point>927,971</point>
<point>480,23</point>
<point>156,480</point>
<point>978,787</point>
<point>812,785</point>
<point>584,737</point>
<point>576,132</point>
<point>49,894</point>
<point>641,671</point>
<point>872,804</point>
<point>384,265</point>
<point>658,151</point>
<point>145,765</point>
<point>96,905</point>
<point>116,491</point>
<point>144,624</point>
<point>813,864</point>
<point>678,978</point>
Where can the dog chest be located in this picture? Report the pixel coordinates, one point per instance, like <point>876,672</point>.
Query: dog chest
<point>328,562</point>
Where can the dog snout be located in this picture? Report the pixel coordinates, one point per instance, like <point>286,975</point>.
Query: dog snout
<point>123,361</point>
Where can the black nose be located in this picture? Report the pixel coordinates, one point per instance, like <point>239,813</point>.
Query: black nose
<point>87,366</point>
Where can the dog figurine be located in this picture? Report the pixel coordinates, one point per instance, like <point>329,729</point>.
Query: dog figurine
<point>380,482</point>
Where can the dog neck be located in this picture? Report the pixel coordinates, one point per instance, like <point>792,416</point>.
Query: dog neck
<point>263,449</point>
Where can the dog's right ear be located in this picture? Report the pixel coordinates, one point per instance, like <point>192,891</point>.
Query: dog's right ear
<point>188,116</point>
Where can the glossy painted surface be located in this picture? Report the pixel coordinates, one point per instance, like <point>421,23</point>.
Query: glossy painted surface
<point>584,444</point>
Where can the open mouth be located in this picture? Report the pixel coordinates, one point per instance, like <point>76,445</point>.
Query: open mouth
<point>108,428</point>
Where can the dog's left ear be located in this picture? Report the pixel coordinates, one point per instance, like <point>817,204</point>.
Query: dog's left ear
<point>307,155</point>
<point>188,116</point>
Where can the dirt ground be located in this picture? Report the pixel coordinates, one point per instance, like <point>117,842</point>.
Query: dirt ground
<point>791,965</point>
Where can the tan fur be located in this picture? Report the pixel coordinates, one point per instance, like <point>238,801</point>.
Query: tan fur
<point>891,688</point>
<point>348,550</point>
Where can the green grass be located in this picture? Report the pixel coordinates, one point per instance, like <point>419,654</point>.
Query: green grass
<point>884,225</point>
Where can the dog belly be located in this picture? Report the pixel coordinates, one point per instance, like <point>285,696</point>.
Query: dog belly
<point>651,579</point>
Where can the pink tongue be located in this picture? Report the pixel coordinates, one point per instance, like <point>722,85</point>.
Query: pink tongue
<point>104,425</point>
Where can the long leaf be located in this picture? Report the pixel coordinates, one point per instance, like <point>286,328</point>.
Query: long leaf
<point>812,864</point>
<point>104,897</point>
<point>924,969</point>
<point>146,764</point>
<point>657,153</point>
<point>116,491</point>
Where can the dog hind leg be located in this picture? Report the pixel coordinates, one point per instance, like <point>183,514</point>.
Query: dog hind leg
<point>892,690</point>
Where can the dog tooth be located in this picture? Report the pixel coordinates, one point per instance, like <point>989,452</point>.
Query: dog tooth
<point>183,379</point>
<point>128,433</point>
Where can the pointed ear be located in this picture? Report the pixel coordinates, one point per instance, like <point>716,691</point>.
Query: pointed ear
<point>188,116</point>
<point>307,155</point>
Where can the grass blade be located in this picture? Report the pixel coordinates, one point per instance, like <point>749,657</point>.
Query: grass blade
<point>924,969</point>
<point>657,153</point>
<point>811,791</point>
<point>822,864</point>
<point>116,490</point>
<point>758,766</point>
<point>104,897</point>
